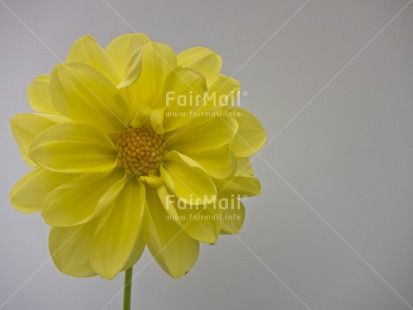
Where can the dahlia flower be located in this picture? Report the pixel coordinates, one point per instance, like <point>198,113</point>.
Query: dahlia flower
<point>129,150</point>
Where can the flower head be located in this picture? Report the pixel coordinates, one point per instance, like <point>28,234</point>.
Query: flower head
<point>135,146</point>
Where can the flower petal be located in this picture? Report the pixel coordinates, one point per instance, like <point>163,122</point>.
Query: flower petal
<point>117,235</point>
<point>124,52</point>
<point>69,248</point>
<point>232,218</point>
<point>25,127</point>
<point>82,198</point>
<point>87,51</point>
<point>38,95</point>
<point>136,253</point>
<point>82,94</point>
<point>203,133</point>
<point>30,191</point>
<point>187,179</point>
<point>183,91</point>
<point>201,222</point>
<point>157,60</point>
<point>250,136</point>
<point>201,59</point>
<point>244,168</point>
<point>73,148</point>
<point>219,163</point>
<point>241,186</point>
<point>223,91</point>
<point>142,115</point>
<point>171,247</point>
<point>156,120</point>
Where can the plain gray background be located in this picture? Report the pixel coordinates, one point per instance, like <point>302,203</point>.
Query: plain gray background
<point>332,82</point>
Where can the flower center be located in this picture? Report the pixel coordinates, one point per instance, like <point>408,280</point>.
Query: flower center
<point>140,150</point>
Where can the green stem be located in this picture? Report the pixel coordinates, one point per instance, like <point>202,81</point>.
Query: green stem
<point>127,289</point>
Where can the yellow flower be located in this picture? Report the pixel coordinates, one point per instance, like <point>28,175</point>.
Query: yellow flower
<point>130,149</point>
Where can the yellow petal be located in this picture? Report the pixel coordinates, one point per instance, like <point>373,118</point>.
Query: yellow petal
<point>30,191</point>
<point>73,148</point>
<point>250,136</point>
<point>183,92</point>
<point>151,180</point>
<point>242,186</point>
<point>137,251</point>
<point>220,163</point>
<point>134,70</point>
<point>203,133</point>
<point>244,168</point>
<point>82,94</point>
<point>86,50</point>
<point>124,52</point>
<point>223,91</point>
<point>201,59</point>
<point>171,247</point>
<point>201,222</point>
<point>168,201</point>
<point>38,95</point>
<point>116,237</point>
<point>157,60</point>
<point>142,115</point>
<point>69,248</point>
<point>232,217</point>
<point>156,119</point>
<point>82,198</point>
<point>25,127</point>
<point>187,179</point>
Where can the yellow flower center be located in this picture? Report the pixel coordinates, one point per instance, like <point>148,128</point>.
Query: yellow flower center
<point>140,150</point>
